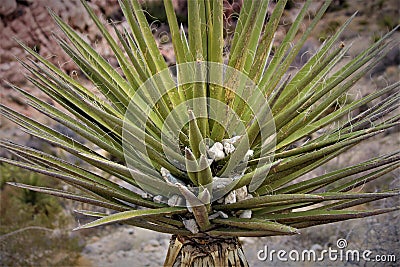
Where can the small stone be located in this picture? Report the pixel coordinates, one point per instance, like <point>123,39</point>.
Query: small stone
<point>164,172</point>
<point>230,198</point>
<point>7,7</point>
<point>157,199</point>
<point>213,216</point>
<point>229,148</point>
<point>216,152</point>
<point>144,195</point>
<point>249,196</point>
<point>191,225</point>
<point>223,214</point>
<point>218,214</point>
<point>241,193</point>
<point>246,214</point>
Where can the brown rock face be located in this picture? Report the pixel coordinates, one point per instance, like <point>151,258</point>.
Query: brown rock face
<point>30,22</point>
<point>7,7</point>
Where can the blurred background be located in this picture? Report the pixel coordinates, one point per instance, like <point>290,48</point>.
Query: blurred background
<point>36,229</point>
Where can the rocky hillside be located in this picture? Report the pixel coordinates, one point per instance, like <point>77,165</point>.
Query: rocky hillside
<point>29,21</point>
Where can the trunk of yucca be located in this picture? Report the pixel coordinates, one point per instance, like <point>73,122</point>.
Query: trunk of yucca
<point>210,251</point>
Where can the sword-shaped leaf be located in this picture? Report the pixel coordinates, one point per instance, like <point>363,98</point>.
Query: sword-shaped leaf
<point>132,214</point>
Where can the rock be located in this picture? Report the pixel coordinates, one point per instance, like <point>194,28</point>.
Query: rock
<point>7,7</point>
<point>216,152</point>
<point>229,148</point>
<point>119,248</point>
<point>33,25</point>
<point>230,198</point>
<point>158,199</point>
<point>392,58</point>
<point>306,52</point>
<point>30,22</point>
<point>191,225</point>
<point>218,214</point>
<point>241,193</point>
<point>228,144</point>
<point>249,154</point>
<point>246,214</point>
<point>213,216</point>
<point>223,214</point>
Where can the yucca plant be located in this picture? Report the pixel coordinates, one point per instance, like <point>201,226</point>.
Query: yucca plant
<point>215,143</point>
